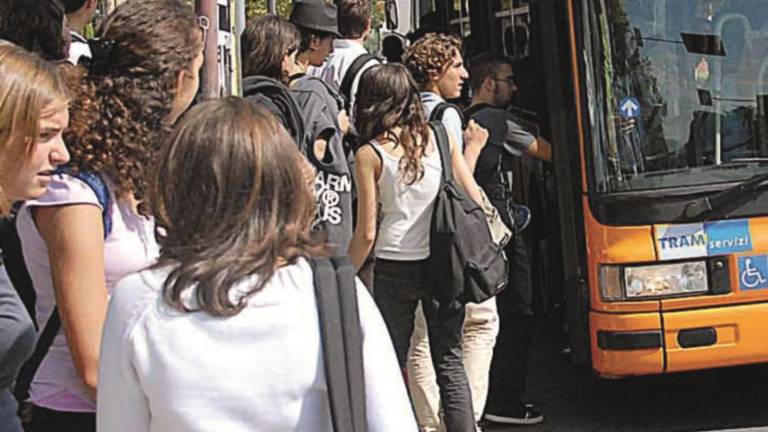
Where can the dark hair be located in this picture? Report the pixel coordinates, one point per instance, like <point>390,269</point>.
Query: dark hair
<point>485,65</point>
<point>306,35</point>
<point>265,43</point>
<point>117,116</point>
<point>73,5</point>
<point>353,17</point>
<point>229,204</point>
<point>388,98</point>
<point>392,48</point>
<point>431,55</point>
<point>35,25</point>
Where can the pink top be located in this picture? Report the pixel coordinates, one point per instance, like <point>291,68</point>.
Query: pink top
<point>130,247</point>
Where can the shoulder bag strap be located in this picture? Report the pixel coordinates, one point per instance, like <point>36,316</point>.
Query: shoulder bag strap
<point>444,147</point>
<point>332,336</point>
<point>438,112</point>
<point>353,340</point>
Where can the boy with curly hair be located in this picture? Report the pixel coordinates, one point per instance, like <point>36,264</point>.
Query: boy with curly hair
<point>436,64</point>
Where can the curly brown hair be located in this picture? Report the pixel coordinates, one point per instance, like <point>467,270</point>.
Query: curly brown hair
<point>120,104</point>
<point>388,99</point>
<point>430,56</point>
<point>230,204</point>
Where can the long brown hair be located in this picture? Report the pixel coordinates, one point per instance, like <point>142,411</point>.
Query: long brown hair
<point>388,98</point>
<point>117,120</point>
<point>28,84</point>
<point>229,203</point>
<point>265,43</point>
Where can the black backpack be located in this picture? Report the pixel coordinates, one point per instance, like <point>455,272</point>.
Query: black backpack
<point>275,97</point>
<point>351,139</point>
<point>467,266</point>
<point>345,88</point>
<point>19,276</point>
<point>342,341</point>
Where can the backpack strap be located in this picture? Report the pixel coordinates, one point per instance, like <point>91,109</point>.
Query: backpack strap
<point>438,112</point>
<point>342,342</point>
<point>30,367</point>
<point>474,109</point>
<point>444,147</point>
<point>340,102</point>
<point>345,88</point>
<point>96,182</point>
<point>53,325</point>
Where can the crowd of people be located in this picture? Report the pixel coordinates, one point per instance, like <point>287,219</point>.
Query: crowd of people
<point>159,254</point>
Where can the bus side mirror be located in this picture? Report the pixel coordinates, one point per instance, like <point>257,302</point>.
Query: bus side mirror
<point>390,12</point>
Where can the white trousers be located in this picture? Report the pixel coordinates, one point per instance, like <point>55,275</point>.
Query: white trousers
<point>481,326</point>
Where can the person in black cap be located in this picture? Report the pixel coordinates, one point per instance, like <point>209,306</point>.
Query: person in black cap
<point>317,22</point>
<point>325,118</point>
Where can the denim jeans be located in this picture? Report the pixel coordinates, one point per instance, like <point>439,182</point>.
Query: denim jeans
<point>9,421</point>
<point>400,286</point>
<point>481,325</point>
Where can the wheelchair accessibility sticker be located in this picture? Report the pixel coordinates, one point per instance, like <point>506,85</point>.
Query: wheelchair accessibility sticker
<point>753,272</point>
<point>702,239</point>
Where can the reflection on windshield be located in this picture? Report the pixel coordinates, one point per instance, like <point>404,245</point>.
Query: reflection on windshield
<point>680,92</point>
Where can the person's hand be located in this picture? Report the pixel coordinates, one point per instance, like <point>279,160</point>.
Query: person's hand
<point>475,136</point>
<point>343,121</point>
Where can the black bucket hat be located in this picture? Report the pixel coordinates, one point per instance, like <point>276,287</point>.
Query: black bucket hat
<point>318,15</point>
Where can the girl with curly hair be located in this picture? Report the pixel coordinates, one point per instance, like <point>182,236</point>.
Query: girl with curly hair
<point>33,114</point>
<point>91,228</point>
<point>399,171</point>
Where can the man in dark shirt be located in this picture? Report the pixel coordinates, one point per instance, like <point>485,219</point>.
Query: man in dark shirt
<point>493,85</point>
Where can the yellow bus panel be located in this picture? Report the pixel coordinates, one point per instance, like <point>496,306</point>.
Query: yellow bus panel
<point>741,337</point>
<point>617,363</point>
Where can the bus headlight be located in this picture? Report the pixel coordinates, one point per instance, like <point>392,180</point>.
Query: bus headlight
<point>662,280</point>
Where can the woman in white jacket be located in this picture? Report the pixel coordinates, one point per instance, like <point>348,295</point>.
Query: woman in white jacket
<point>222,334</point>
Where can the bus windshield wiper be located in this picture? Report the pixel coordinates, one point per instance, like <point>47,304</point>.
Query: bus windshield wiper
<point>708,207</point>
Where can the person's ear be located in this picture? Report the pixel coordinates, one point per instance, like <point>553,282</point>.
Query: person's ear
<point>368,25</point>
<point>488,85</point>
<point>180,77</point>
<point>435,76</point>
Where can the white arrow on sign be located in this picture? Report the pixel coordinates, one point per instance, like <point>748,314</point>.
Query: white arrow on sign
<point>629,108</point>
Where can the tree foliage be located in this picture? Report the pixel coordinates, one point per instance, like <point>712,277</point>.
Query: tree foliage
<point>254,8</point>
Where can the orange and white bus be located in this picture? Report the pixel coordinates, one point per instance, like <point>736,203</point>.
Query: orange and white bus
<point>655,212</point>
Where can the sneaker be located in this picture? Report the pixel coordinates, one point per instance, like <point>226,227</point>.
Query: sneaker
<point>526,415</point>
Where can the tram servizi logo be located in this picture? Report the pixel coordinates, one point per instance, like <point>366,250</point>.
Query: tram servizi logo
<point>702,239</point>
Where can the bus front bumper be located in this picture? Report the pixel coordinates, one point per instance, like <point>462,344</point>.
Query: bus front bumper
<point>673,341</point>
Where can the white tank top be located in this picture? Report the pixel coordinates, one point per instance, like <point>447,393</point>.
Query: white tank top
<point>406,210</point>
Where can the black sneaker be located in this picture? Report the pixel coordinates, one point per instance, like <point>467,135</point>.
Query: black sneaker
<point>523,416</point>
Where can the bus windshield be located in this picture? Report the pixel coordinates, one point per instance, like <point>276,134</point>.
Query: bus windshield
<point>677,92</point>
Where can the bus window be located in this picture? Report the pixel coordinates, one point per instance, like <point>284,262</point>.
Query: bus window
<point>677,87</point>
<point>513,21</point>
